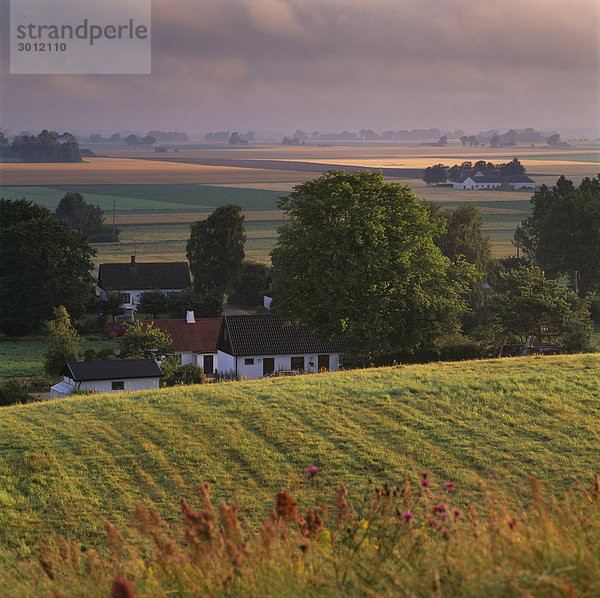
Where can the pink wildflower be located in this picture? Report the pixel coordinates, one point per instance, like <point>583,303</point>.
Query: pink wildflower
<point>425,483</point>
<point>425,474</point>
<point>407,516</point>
<point>449,486</point>
<point>512,523</point>
<point>432,523</point>
<point>312,471</point>
<point>443,516</point>
<point>440,508</point>
<point>456,512</point>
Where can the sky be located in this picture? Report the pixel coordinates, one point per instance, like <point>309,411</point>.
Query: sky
<point>329,65</point>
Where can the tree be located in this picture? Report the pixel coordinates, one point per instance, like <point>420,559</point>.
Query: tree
<point>455,173</point>
<point>553,140</point>
<point>131,139</point>
<point>495,141</point>
<point>514,167</point>
<point>188,300</point>
<point>86,217</point>
<point>153,302</point>
<point>464,140</point>
<point>358,258</point>
<point>175,373</point>
<point>526,303</point>
<point>13,392</point>
<point>434,175</point>
<point>562,235</point>
<point>112,305</point>
<point>148,140</point>
<point>144,342</point>
<point>43,264</point>
<point>64,343</point>
<point>463,236</point>
<point>252,283</point>
<point>215,250</point>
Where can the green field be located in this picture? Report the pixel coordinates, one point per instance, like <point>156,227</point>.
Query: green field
<point>485,425</point>
<point>25,358</point>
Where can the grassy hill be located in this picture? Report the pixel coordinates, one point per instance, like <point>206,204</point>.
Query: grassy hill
<point>485,425</point>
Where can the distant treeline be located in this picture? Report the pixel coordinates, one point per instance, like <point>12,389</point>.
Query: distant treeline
<point>154,135</point>
<point>48,146</point>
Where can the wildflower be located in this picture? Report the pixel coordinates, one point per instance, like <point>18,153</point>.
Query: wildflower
<point>445,533</point>
<point>425,474</point>
<point>456,512</point>
<point>449,486</point>
<point>311,471</point>
<point>443,516</point>
<point>432,523</point>
<point>512,523</point>
<point>441,508</point>
<point>425,483</point>
<point>407,516</point>
<point>286,506</point>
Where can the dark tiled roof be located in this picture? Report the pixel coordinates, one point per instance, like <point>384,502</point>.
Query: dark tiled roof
<point>516,178</point>
<point>112,369</point>
<point>268,335</point>
<point>199,337</point>
<point>144,276</point>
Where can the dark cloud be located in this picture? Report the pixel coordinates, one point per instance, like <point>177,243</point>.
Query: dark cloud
<point>339,64</point>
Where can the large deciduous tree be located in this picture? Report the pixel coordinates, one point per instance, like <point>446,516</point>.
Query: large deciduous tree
<point>434,175</point>
<point>215,250</point>
<point>84,216</point>
<point>562,235</point>
<point>144,342</point>
<point>43,264</point>
<point>358,258</point>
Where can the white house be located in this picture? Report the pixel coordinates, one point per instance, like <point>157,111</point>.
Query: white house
<point>114,375</point>
<point>132,279</point>
<point>194,339</point>
<point>252,347</point>
<point>509,183</point>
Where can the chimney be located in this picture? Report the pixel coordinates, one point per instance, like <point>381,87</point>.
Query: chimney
<point>133,261</point>
<point>189,318</point>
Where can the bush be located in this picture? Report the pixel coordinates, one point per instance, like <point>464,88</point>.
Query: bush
<point>90,354</point>
<point>177,374</point>
<point>14,391</point>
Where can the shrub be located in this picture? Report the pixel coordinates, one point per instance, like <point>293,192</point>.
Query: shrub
<point>14,391</point>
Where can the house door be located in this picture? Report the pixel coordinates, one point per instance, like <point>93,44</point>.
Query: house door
<point>208,365</point>
<point>268,365</point>
<point>323,363</point>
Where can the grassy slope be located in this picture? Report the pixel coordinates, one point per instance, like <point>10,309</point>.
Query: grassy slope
<point>484,425</point>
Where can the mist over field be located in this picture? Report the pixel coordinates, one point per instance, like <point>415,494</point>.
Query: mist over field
<point>334,64</point>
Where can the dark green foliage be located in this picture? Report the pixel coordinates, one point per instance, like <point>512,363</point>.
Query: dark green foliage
<point>514,167</point>
<point>188,300</point>
<point>177,374</point>
<point>144,342</point>
<point>434,175</point>
<point>64,343</point>
<point>358,258</point>
<point>48,146</point>
<point>43,264</point>
<point>14,391</point>
<point>153,302</point>
<point>215,250</point>
<point>463,236</point>
<point>86,217</point>
<point>526,303</point>
<point>111,305</point>
<point>562,235</point>
<point>249,288</point>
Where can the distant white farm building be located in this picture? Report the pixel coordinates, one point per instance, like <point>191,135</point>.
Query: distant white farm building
<point>113,375</point>
<point>508,183</point>
<point>132,279</point>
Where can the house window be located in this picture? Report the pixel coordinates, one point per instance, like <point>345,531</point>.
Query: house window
<point>297,363</point>
<point>249,361</point>
<point>117,385</point>
<point>125,298</point>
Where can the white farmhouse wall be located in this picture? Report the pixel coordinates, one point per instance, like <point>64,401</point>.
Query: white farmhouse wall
<point>226,362</point>
<point>282,362</point>
<point>130,385</point>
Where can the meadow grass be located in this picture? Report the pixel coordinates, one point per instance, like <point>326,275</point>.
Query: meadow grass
<point>485,425</point>
<point>20,358</point>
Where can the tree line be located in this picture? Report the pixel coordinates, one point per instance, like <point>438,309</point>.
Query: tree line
<point>48,146</point>
<point>439,173</point>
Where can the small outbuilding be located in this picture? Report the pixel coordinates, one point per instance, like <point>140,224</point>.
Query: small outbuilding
<point>113,375</point>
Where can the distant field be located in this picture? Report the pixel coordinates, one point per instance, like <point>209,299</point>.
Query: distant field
<point>149,190</point>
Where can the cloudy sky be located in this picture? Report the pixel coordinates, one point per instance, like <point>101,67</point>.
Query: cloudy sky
<point>333,65</point>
